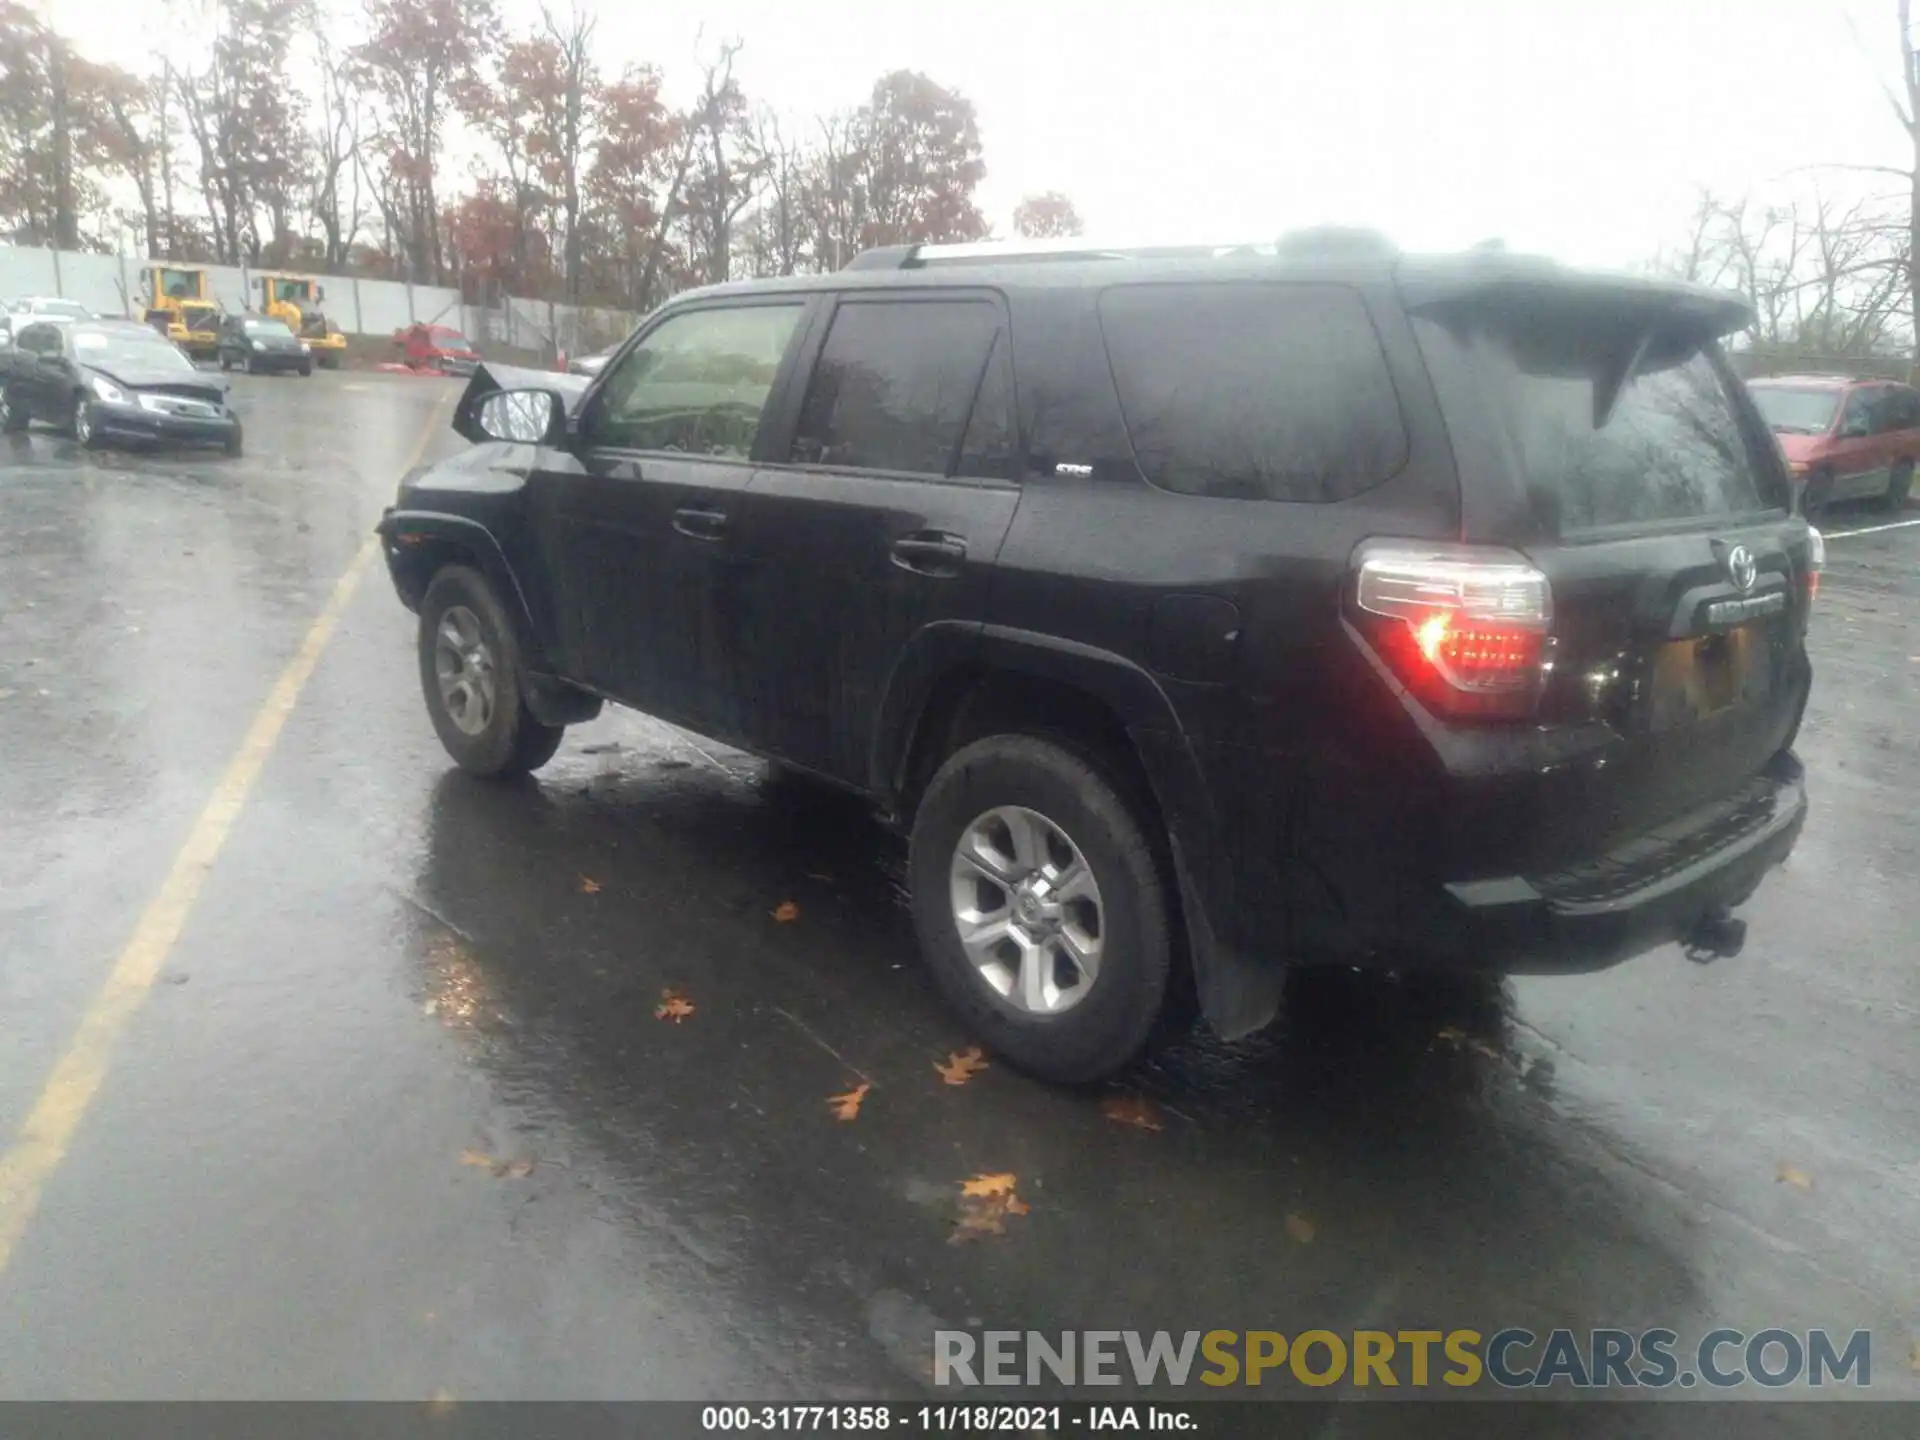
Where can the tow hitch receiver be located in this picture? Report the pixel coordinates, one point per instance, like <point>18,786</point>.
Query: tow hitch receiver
<point>1715,935</point>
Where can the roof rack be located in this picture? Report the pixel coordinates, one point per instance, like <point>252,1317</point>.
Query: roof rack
<point>1324,240</point>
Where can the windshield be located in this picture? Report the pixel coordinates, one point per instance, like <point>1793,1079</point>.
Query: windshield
<point>110,348</point>
<point>62,307</point>
<point>451,340</point>
<point>295,290</point>
<point>1790,411</point>
<point>267,327</point>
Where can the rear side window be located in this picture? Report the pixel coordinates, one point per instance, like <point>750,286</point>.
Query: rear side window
<point>895,385</point>
<point>1596,449</point>
<point>1254,391</point>
<point>1903,408</point>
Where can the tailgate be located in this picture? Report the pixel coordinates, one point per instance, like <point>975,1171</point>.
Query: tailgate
<point>1600,434</point>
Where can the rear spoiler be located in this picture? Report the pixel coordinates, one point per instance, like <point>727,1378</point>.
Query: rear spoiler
<point>1628,319</point>
<point>487,378</point>
<point>1521,284</point>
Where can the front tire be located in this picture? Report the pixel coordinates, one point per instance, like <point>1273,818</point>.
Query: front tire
<point>1041,906</point>
<point>473,677</point>
<point>1899,486</point>
<point>1817,494</point>
<point>86,428</point>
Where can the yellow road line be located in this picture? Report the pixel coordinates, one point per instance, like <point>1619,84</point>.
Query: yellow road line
<point>43,1140</point>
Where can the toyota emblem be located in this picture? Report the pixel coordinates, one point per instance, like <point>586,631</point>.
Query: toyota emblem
<point>1740,567</point>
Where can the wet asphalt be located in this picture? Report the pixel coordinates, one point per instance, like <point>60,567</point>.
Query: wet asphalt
<point>399,1118</point>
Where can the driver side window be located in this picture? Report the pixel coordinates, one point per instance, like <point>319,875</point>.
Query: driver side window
<point>698,384</point>
<point>1857,419</point>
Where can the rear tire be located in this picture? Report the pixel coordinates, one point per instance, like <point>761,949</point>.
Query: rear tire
<point>1899,486</point>
<point>472,675</point>
<point>1085,823</point>
<point>226,362</point>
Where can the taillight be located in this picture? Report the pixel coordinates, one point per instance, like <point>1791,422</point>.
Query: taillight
<point>1467,627</point>
<point>1816,561</point>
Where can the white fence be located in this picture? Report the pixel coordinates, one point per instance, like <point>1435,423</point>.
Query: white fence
<point>110,285</point>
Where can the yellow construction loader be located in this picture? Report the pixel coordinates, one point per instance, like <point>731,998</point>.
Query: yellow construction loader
<point>295,299</point>
<point>180,306</point>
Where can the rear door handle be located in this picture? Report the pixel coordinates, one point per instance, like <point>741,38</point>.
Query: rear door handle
<point>697,524</point>
<point>930,552</point>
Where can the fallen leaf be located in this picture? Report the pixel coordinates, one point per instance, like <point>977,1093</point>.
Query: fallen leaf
<point>847,1106</point>
<point>517,1170</point>
<point>961,1065</point>
<point>1300,1228</point>
<point>1453,1035</point>
<point>985,1203</point>
<point>988,1185</point>
<point>1131,1110</point>
<point>823,879</point>
<point>1484,1050</point>
<point>589,887</point>
<point>432,1007</point>
<point>785,911</point>
<point>1793,1175</point>
<point>673,1006</point>
<point>476,1159</point>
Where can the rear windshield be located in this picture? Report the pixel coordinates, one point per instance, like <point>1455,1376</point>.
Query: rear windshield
<point>1668,446</point>
<point>1796,412</point>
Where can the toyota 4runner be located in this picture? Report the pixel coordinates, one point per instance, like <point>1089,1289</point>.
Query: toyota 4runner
<point>1196,612</point>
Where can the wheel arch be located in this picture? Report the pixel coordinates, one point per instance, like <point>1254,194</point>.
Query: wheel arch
<point>951,688</point>
<point>419,544</point>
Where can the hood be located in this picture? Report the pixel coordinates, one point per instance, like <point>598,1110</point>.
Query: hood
<point>1800,447</point>
<point>132,375</point>
<point>489,378</point>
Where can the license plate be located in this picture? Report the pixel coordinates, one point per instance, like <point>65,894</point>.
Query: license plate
<point>1706,675</point>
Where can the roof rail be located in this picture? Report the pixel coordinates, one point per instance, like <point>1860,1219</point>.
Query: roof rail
<point>1323,240</point>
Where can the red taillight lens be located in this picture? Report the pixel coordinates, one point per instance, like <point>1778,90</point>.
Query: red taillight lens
<point>1467,627</point>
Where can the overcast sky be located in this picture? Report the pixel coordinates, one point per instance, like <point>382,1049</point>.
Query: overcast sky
<point>1574,127</point>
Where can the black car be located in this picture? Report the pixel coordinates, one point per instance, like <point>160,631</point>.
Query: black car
<point>1197,614</point>
<point>105,380</point>
<point>262,346</point>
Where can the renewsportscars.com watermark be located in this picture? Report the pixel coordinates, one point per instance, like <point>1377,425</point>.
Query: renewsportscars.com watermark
<point>1511,1359</point>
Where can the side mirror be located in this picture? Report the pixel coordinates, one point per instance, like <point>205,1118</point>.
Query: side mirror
<point>527,417</point>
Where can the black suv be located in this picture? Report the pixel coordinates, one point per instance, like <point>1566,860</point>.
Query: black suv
<point>1198,613</point>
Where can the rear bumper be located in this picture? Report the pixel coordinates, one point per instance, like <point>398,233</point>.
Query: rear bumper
<point>273,362</point>
<point>1655,890</point>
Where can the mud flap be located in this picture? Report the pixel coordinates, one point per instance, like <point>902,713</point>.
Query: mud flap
<point>1238,993</point>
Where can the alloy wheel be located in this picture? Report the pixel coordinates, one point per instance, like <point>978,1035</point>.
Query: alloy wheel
<point>1028,910</point>
<point>464,666</point>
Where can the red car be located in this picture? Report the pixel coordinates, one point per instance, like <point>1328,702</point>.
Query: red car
<point>436,347</point>
<point>1844,439</point>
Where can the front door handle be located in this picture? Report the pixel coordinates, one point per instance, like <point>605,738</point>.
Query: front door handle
<point>697,524</point>
<point>930,552</point>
